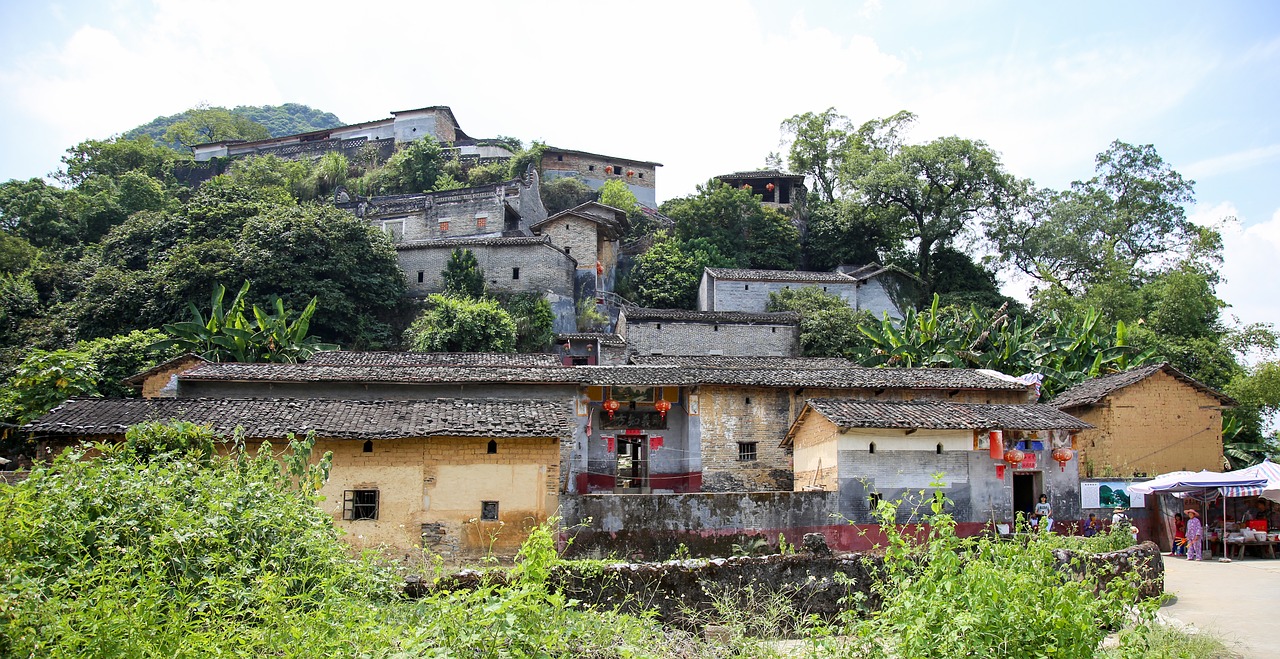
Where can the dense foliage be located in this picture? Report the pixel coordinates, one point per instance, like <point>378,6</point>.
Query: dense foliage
<point>274,120</point>
<point>462,324</point>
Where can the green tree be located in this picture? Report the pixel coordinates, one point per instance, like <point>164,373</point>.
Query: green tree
<point>117,155</point>
<point>534,321</point>
<point>938,189</point>
<point>526,158</point>
<point>44,380</point>
<point>667,276</point>
<point>772,241</point>
<point>203,124</point>
<point>36,212</point>
<point>563,193</point>
<point>819,143</point>
<point>615,193</point>
<point>451,324</point>
<point>293,177</point>
<point>846,232</point>
<point>828,326</point>
<point>118,357</point>
<point>462,275</point>
<point>732,222</point>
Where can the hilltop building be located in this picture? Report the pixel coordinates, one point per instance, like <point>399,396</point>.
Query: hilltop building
<point>875,288</point>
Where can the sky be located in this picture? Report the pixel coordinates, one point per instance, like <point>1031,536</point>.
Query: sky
<point>699,86</point>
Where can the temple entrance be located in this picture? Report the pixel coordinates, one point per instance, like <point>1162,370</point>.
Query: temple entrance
<point>633,465</point>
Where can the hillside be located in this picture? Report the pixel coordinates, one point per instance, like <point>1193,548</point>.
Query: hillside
<point>279,120</point>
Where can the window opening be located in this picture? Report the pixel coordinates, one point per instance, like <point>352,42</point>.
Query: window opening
<point>489,511</point>
<point>747,452</point>
<point>360,504</point>
<point>939,448</point>
<point>746,287</point>
<point>560,157</point>
<point>566,250</point>
<point>421,276</point>
<point>515,273</point>
<point>871,448</point>
<point>874,501</point>
<point>591,168</point>
<point>368,446</point>
<point>715,328</point>
<point>617,169</point>
<point>493,447</point>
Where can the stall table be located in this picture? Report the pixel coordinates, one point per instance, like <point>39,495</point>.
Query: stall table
<point>1239,547</point>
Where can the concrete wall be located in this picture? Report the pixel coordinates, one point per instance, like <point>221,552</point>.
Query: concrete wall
<point>753,296</point>
<point>430,490</point>
<point>1155,426</point>
<point>411,126</point>
<point>698,338</point>
<point>542,268</point>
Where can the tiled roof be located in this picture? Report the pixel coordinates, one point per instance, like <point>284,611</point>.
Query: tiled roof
<point>554,150</point>
<point>635,314</point>
<point>489,241</point>
<point>1091,392</point>
<point>741,274</point>
<point>939,415</point>
<point>274,418</point>
<point>836,378</point>
<point>407,374</point>
<point>496,359</point>
<point>761,173</point>
<point>730,361</point>
<point>137,378</point>
<point>856,377</point>
<point>872,270</point>
<point>614,340</point>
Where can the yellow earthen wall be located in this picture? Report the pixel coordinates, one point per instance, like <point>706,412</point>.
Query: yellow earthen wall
<point>153,383</point>
<point>1155,426</point>
<point>815,454</point>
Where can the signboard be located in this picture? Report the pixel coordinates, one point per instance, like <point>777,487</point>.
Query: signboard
<point>1109,494</point>
<point>1028,462</point>
<point>625,419</point>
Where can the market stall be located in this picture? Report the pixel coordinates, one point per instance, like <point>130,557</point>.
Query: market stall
<point>1205,484</point>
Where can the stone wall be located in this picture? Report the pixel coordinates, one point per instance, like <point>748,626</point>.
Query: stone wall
<point>698,338</point>
<point>541,267</point>
<point>732,416</point>
<point>1155,426</point>
<point>595,170</point>
<point>654,526</point>
<point>577,237</point>
<point>814,583</point>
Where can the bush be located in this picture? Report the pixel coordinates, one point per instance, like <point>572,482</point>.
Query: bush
<point>452,324</point>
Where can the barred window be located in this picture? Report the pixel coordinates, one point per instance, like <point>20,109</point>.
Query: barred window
<point>747,451</point>
<point>360,504</point>
<point>489,511</point>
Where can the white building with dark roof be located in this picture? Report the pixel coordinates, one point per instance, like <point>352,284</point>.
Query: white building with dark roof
<point>876,289</point>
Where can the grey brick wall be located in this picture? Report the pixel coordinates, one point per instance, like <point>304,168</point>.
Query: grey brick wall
<point>753,296</point>
<point>694,338</point>
<point>542,268</point>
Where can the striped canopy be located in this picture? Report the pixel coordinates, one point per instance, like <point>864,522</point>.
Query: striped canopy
<point>1204,480</point>
<point>1266,470</point>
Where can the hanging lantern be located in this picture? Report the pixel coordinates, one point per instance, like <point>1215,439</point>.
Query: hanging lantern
<point>1063,455</point>
<point>997,444</point>
<point>663,407</point>
<point>1014,457</point>
<point>746,186</point>
<point>770,187</point>
<point>630,173</point>
<point>610,405</point>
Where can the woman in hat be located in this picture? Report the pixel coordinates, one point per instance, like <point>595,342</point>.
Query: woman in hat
<point>1195,536</point>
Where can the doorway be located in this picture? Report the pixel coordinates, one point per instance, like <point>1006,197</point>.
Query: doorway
<point>1026,491</point>
<point>633,465</point>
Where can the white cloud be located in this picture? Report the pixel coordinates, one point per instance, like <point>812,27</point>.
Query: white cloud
<point>1232,162</point>
<point>1250,255</point>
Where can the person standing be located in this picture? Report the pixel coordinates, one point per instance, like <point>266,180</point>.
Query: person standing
<point>1179,535</point>
<point>1195,536</point>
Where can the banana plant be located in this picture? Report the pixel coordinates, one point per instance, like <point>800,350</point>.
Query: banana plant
<point>228,334</point>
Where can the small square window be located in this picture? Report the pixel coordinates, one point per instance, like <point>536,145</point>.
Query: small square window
<point>360,504</point>
<point>515,273</point>
<point>444,226</point>
<point>481,221</point>
<point>617,169</point>
<point>746,287</point>
<point>489,511</point>
<point>591,168</point>
<point>566,249</point>
<point>559,157</point>
<point>747,452</point>
<point>641,174</point>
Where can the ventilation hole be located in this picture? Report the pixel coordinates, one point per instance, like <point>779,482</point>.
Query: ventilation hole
<point>493,446</point>
<point>871,448</point>
<point>939,448</point>
<point>368,446</point>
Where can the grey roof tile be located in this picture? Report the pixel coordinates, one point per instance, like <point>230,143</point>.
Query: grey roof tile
<point>640,314</point>
<point>799,276</point>
<point>939,415</point>
<point>274,418</point>
<point>374,358</point>
<point>614,340</point>
<point>404,374</point>
<point>483,241</point>
<point>736,362</point>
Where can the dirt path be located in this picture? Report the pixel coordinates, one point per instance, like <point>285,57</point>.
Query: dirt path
<point>1237,601</point>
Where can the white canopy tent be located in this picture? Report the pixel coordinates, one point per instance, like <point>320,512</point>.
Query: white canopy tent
<point>1243,484</point>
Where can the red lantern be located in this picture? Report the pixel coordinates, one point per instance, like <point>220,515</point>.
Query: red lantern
<point>997,445</point>
<point>610,405</point>
<point>1063,456</point>
<point>770,187</point>
<point>1014,457</point>
<point>663,407</point>
<point>630,173</point>
<point>746,186</point>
